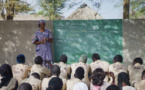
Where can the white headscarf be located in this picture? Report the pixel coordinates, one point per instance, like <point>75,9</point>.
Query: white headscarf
<point>80,86</point>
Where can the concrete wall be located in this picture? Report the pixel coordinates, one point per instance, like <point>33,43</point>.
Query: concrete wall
<point>16,38</point>
<point>133,40</point>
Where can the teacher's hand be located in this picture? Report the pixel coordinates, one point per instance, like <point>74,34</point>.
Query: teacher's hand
<point>50,40</point>
<point>42,42</point>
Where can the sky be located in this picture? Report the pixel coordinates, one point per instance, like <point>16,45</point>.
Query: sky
<point>107,9</point>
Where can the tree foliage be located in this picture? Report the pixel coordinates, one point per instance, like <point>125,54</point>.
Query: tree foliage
<point>137,8</point>
<point>51,8</point>
<point>94,3</point>
<point>54,8</point>
<point>8,8</point>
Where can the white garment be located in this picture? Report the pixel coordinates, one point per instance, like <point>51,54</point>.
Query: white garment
<point>80,86</point>
<point>128,88</point>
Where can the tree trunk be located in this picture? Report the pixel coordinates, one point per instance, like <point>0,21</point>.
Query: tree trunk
<point>126,9</point>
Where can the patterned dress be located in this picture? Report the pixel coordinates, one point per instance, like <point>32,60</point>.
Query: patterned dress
<point>43,50</point>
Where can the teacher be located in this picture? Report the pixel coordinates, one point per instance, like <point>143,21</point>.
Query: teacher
<point>42,39</point>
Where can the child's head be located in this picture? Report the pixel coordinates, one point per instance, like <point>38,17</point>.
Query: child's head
<point>95,57</point>
<point>112,87</point>
<point>25,86</point>
<point>137,60</point>
<point>20,58</point>
<point>55,84</point>
<point>143,75</point>
<point>83,58</point>
<point>63,58</point>
<point>79,73</point>
<point>123,78</point>
<point>55,70</point>
<point>118,58</point>
<point>6,71</point>
<point>36,75</point>
<point>38,60</point>
<point>98,76</point>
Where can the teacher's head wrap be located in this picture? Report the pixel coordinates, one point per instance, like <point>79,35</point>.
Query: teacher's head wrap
<point>41,21</point>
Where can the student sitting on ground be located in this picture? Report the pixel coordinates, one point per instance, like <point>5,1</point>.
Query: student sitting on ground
<point>97,80</point>
<point>55,71</point>
<point>34,81</point>
<point>141,85</point>
<point>116,68</point>
<point>135,70</point>
<point>55,84</point>
<point>39,68</point>
<point>20,70</point>
<point>8,82</point>
<point>25,86</point>
<point>65,69</point>
<point>112,87</point>
<point>123,82</point>
<point>97,63</point>
<point>86,67</point>
<point>78,76</point>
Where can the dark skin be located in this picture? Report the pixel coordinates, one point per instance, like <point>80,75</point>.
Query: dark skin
<point>42,29</point>
<point>112,74</point>
<point>123,84</point>
<point>77,77</point>
<point>93,59</point>
<point>113,77</point>
<point>114,61</point>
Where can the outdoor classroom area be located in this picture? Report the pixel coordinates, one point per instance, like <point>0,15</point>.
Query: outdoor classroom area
<point>72,44</point>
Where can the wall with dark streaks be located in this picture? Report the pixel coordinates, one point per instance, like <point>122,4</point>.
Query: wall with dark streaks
<point>16,38</point>
<point>133,39</point>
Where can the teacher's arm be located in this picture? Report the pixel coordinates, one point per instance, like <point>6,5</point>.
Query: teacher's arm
<point>38,42</point>
<point>48,39</point>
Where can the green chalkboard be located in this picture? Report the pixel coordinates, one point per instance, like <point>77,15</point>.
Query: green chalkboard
<point>78,37</point>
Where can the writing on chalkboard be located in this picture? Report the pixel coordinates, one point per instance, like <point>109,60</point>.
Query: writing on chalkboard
<point>77,37</point>
<point>74,35</point>
<point>78,31</point>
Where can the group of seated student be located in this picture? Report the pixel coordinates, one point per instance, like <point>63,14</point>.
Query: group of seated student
<point>99,75</point>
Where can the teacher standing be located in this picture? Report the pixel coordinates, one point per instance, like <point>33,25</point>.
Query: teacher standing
<point>42,39</point>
